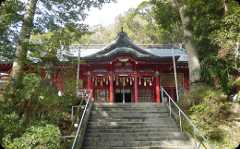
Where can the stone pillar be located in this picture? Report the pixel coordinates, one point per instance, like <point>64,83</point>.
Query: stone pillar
<point>111,98</point>
<point>157,89</point>
<point>136,89</point>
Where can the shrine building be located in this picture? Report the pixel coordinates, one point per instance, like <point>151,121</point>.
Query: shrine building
<point>124,72</point>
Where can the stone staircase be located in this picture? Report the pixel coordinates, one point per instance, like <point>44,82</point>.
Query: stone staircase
<point>133,126</point>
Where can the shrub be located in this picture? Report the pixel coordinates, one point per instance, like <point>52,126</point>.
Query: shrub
<point>210,111</point>
<point>10,124</point>
<point>37,137</point>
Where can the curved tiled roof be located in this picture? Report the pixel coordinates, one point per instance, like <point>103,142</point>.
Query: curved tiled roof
<point>124,45</point>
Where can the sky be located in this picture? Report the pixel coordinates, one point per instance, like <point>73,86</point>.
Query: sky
<point>107,14</point>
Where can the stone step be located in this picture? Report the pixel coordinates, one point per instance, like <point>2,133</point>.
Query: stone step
<point>120,144</point>
<point>123,106</point>
<point>133,126</point>
<point>129,123</point>
<point>147,147</point>
<point>128,115</point>
<point>149,130</point>
<point>128,105</point>
<point>136,135</point>
<point>134,119</point>
<point>128,141</point>
<point>162,117</point>
<point>132,110</point>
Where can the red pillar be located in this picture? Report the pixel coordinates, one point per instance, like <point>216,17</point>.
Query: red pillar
<point>157,89</point>
<point>186,81</point>
<point>89,84</point>
<point>136,89</point>
<point>111,88</point>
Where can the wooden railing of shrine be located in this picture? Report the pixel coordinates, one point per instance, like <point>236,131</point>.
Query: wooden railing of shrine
<point>185,124</point>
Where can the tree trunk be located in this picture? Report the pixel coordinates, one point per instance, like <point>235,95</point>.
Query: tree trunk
<point>193,59</point>
<point>22,44</point>
<point>225,6</point>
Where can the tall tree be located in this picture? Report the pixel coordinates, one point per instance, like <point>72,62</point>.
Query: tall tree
<point>172,17</point>
<point>45,14</point>
<point>9,18</point>
<point>193,59</point>
<point>21,50</point>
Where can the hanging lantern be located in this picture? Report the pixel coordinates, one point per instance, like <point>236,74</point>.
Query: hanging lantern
<point>144,82</point>
<point>117,82</point>
<point>107,82</point>
<point>95,82</point>
<point>101,82</point>
<point>127,80</point>
<point>139,82</point>
<point>150,83</point>
<point>130,82</point>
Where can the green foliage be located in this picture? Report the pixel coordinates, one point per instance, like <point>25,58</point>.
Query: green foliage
<point>61,12</point>
<point>138,23</point>
<point>215,34</point>
<point>218,68</point>
<point>8,20</point>
<point>168,21</point>
<point>46,45</point>
<point>229,33</point>
<point>205,18</point>
<point>70,82</point>
<point>9,124</point>
<point>36,137</point>
<point>237,82</point>
<point>211,111</point>
<point>37,99</point>
<point>216,72</point>
<point>227,38</point>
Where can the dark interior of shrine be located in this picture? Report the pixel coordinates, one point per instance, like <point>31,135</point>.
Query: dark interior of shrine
<point>123,96</point>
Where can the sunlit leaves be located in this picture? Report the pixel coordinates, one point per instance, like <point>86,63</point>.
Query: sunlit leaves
<point>38,137</point>
<point>229,33</point>
<point>168,19</point>
<point>9,20</point>
<point>46,45</point>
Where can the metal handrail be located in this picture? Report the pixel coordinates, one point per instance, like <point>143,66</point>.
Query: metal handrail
<point>81,93</point>
<point>180,114</point>
<point>81,121</point>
